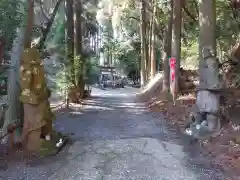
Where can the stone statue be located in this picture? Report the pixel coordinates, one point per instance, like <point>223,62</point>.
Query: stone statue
<point>205,123</point>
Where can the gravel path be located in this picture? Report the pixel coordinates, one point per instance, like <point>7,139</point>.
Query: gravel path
<point>116,138</point>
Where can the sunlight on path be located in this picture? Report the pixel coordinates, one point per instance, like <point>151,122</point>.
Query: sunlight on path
<point>116,138</point>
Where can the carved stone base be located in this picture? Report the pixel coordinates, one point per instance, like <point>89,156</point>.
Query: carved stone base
<point>202,131</point>
<point>202,125</point>
<point>208,101</point>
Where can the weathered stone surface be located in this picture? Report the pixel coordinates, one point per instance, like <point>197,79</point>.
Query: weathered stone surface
<point>208,102</point>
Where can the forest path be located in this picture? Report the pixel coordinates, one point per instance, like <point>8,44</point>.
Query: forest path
<point>116,138</point>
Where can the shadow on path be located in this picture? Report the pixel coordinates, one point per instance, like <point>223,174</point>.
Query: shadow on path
<point>114,137</point>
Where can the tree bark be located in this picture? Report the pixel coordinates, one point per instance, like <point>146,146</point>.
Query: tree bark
<point>78,28</point>
<point>176,42</point>
<point>207,22</point>
<point>153,56</point>
<point>2,47</point>
<point>70,39</point>
<point>207,36</point>
<point>208,65</point>
<point>79,47</point>
<point>167,43</point>
<point>143,43</point>
<point>30,19</point>
<point>13,112</point>
<point>150,41</point>
<point>208,98</point>
<point>153,40</point>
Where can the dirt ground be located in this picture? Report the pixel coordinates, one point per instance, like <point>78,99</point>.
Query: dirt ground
<point>225,148</point>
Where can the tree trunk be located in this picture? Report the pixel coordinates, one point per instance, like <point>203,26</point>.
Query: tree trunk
<point>2,48</point>
<point>70,39</point>
<point>153,56</point>
<point>30,17</point>
<point>79,46</point>
<point>208,65</point>
<point>150,41</point>
<point>207,39</point>
<point>98,44</point>
<point>207,34</point>
<point>176,43</point>
<point>153,52</point>
<point>78,28</point>
<point>208,99</point>
<point>95,43</point>
<point>13,113</point>
<point>167,43</point>
<point>143,43</point>
<point>108,48</point>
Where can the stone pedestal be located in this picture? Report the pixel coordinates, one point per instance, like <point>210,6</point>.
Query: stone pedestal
<point>208,98</point>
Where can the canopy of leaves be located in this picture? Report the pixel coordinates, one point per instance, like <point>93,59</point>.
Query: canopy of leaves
<point>125,20</point>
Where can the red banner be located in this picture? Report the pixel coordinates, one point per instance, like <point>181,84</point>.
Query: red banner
<point>173,76</point>
<point>172,62</point>
<point>172,68</point>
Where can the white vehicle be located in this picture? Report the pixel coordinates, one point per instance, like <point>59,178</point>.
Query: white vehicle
<point>106,79</point>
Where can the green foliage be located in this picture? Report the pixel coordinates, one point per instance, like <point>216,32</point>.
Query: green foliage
<point>59,34</point>
<point>79,68</point>
<point>227,31</point>
<point>121,32</point>
<point>91,71</point>
<point>189,56</point>
<point>124,40</point>
<point>11,16</point>
<point>3,81</point>
<point>56,37</point>
<point>227,26</point>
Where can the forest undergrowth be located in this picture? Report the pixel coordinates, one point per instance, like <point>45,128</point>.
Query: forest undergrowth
<point>225,148</point>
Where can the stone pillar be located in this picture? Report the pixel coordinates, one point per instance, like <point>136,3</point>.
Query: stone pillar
<point>206,121</point>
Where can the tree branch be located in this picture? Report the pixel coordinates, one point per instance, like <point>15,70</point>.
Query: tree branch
<point>42,9</point>
<point>196,8</point>
<point>135,18</point>
<point>189,14</point>
<point>48,26</point>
